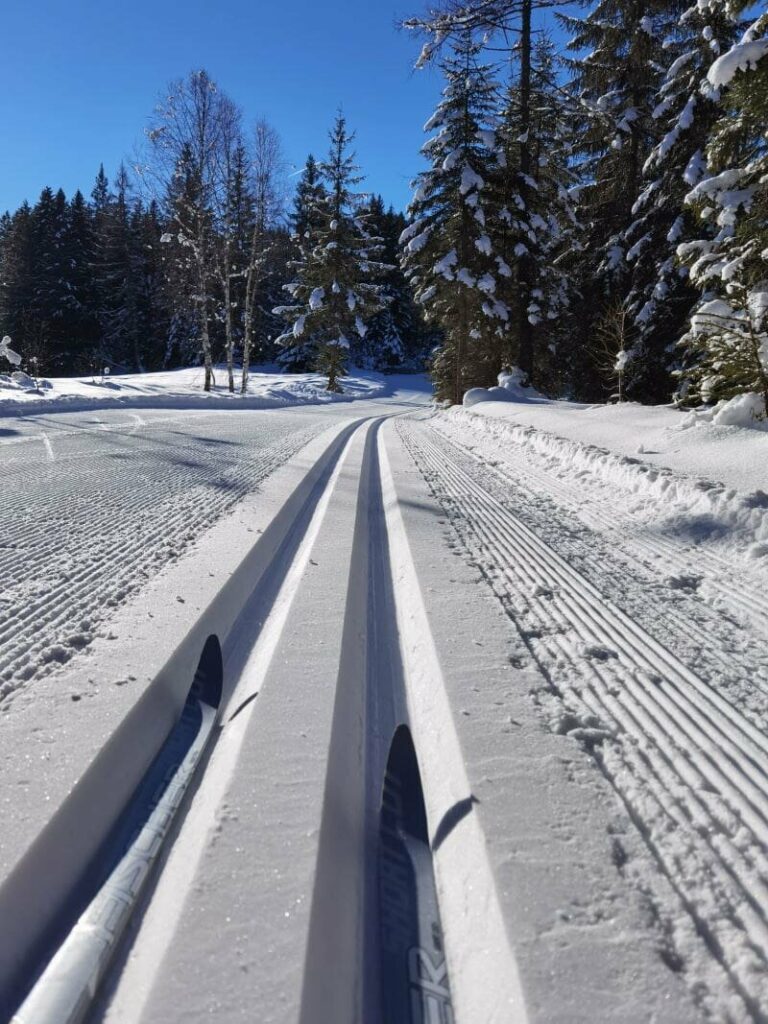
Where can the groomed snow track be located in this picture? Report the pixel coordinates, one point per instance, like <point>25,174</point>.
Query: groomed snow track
<point>378,825</point>
<point>686,757</point>
<point>108,518</point>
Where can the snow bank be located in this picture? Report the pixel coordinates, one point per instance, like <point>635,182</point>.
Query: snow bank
<point>697,478</point>
<point>267,387</point>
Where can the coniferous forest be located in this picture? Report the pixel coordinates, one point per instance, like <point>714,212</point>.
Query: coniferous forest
<point>593,211</point>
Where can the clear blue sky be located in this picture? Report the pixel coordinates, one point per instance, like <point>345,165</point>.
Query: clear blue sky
<point>81,78</point>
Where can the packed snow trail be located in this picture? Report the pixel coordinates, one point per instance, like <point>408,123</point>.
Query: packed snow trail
<point>361,657</point>
<point>81,532</point>
<point>668,694</point>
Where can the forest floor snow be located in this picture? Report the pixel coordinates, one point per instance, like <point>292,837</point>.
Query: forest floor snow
<point>268,387</point>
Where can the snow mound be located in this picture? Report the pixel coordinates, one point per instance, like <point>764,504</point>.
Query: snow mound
<point>509,389</point>
<point>746,410</point>
<point>20,381</point>
<point>475,395</point>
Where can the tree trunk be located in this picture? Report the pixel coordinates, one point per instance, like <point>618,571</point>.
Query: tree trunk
<point>230,341</point>
<point>205,338</point>
<point>525,270</point>
<point>250,296</point>
<point>206,342</point>
<point>762,376</point>
<point>247,330</point>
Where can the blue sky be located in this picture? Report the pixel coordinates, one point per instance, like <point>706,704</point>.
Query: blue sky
<point>80,80</point>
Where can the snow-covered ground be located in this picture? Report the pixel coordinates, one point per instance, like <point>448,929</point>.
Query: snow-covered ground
<point>666,471</point>
<point>564,605</point>
<point>639,591</point>
<point>268,387</point>
<point>687,442</point>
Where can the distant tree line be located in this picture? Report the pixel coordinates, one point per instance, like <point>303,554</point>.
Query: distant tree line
<point>186,259</point>
<point>597,217</point>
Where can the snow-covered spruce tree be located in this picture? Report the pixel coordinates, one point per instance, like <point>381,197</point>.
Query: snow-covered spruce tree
<point>307,200</point>
<point>17,284</point>
<point>728,340</point>
<point>535,229</point>
<point>397,335</point>
<point>54,310</point>
<point>614,71</point>
<point>614,77</point>
<point>152,302</point>
<point>117,275</point>
<point>661,295</point>
<point>336,288</point>
<point>448,251</point>
<point>297,349</point>
<point>180,266</point>
<point>79,318</point>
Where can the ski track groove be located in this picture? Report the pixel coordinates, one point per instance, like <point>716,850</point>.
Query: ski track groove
<point>677,738</point>
<point>53,603</point>
<point>684,617</point>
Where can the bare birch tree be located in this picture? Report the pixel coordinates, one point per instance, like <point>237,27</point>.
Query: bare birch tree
<point>190,137</point>
<point>232,207</point>
<point>268,187</point>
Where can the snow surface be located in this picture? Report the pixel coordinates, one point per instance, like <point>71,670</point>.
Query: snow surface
<point>687,443</point>
<point>632,589</point>
<point>268,387</point>
<point>565,603</point>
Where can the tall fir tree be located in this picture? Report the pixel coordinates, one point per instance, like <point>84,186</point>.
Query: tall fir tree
<point>727,344</point>
<point>396,335</point>
<point>17,286</point>
<point>536,230</point>
<point>79,311</point>
<point>52,298</point>
<point>661,296</point>
<point>307,200</point>
<point>448,252</point>
<point>119,281</point>
<point>299,352</point>
<point>335,289</point>
<point>614,73</point>
<point>151,297</point>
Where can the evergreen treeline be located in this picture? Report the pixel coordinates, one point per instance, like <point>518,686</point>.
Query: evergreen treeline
<point>198,272</point>
<point>349,298</point>
<point>598,217</point>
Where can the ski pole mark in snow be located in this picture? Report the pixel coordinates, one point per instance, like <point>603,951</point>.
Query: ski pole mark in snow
<point>48,447</point>
<point>690,767</point>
